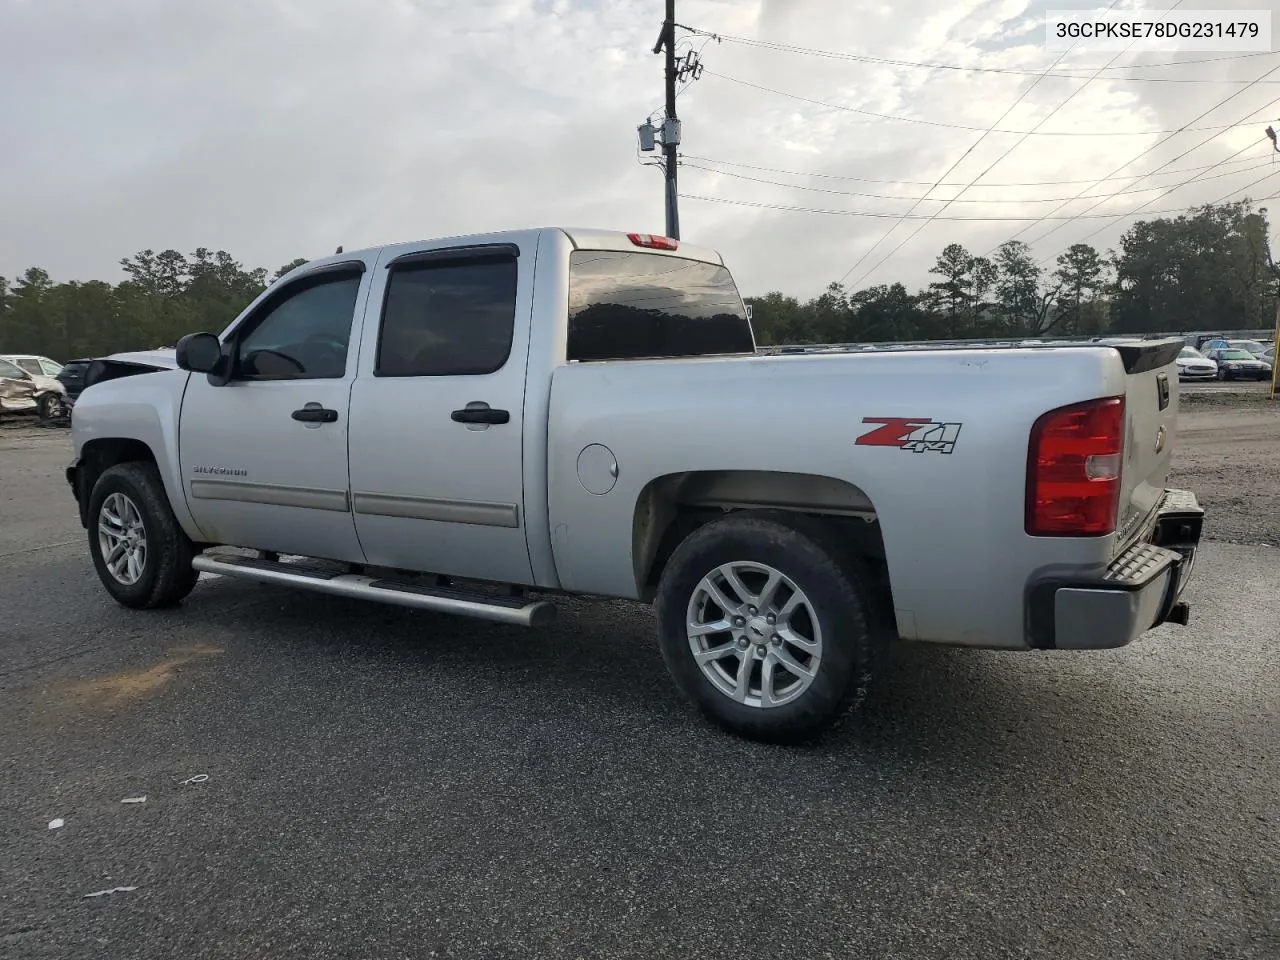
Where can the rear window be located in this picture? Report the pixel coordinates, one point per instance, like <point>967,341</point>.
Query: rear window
<point>630,306</point>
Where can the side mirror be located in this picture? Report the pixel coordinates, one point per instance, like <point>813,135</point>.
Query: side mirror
<point>199,353</point>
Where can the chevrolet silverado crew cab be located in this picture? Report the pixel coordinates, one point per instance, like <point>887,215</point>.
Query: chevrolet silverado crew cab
<point>477,425</point>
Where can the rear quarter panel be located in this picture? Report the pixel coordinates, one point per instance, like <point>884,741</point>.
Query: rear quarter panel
<point>957,553</point>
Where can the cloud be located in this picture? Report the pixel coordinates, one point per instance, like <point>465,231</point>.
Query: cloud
<point>282,128</point>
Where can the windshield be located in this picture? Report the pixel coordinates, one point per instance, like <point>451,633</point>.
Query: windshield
<point>1191,353</point>
<point>1234,355</point>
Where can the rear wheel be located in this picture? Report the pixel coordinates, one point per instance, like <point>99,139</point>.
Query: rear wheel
<point>142,556</point>
<point>766,626</point>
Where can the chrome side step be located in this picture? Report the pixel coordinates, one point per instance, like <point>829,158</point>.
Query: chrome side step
<point>481,606</point>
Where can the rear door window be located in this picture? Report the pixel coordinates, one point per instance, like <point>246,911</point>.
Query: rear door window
<point>445,318</point>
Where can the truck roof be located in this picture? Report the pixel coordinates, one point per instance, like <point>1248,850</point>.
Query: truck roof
<point>582,238</point>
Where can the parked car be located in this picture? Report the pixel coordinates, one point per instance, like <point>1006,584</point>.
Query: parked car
<point>17,389</point>
<point>34,365</point>
<point>1194,365</point>
<point>49,392</point>
<point>1254,347</point>
<point>72,379</point>
<point>477,425</point>
<point>1212,341</point>
<point>1234,364</point>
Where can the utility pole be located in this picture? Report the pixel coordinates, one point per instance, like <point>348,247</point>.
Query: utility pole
<point>1275,279</point>
<point>1275,370</point>
<point>683,69</point>
<point>671,126</point>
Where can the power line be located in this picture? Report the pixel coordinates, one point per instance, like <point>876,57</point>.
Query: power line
<point>962,126</point>
<point>1224,197</point>
<point>1022,96</point>
<point>991,166</point>
<point>1151,148</point>
<point>882,196</point>
<point>886,61</point>
<point>924,183</point>
<point>921,216</point>
<point>1172,189</point>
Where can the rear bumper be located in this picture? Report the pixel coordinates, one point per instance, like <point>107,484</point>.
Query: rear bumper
<point>1141,589</point>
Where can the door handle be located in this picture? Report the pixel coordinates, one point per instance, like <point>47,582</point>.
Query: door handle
<point>480,412</point>
<point>315,414</point>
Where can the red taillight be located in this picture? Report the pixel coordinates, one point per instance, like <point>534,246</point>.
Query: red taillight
<point>652,241</point>
<point>1073,470</point>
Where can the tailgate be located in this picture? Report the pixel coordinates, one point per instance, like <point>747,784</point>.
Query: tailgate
<point>1151,409</point>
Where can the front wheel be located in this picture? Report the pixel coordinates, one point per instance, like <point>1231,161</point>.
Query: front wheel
<point>49,406</point>
<point>142,556</point>
<point>766,626</point>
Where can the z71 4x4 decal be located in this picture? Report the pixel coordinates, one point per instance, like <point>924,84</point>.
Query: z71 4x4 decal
<point>916,434</point>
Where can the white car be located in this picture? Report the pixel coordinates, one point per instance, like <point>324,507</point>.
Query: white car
<point>1194,365</point>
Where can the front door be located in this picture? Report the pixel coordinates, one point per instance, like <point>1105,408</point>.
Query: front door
<point>264,456</point>
<point>437,413</point>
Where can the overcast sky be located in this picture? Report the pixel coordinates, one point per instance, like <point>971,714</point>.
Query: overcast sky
<point>281,128</point>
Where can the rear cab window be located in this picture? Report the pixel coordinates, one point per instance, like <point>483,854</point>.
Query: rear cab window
<point>639,305</point>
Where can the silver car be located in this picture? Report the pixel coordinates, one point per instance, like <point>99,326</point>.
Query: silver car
<point>47,397</point>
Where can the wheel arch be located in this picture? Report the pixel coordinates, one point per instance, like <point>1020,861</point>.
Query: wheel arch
<point>99,455</point>
<point>669,508</point>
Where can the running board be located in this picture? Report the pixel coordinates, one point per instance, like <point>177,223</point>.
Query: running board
<point>480,606</point>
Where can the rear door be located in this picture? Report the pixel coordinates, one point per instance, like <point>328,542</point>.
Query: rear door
<point>1151,410</point>
<point>437,412</point>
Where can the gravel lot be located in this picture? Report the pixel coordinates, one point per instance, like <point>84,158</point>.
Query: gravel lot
<point>384,783</point>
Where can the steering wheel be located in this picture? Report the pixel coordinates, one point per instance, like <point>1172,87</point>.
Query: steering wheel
<point>333,350</point>
<point>292,361</point>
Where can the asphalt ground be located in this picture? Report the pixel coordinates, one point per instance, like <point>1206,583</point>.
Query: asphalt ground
<point>384,783</point>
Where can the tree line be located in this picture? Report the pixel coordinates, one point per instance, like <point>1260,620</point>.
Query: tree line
<point>1209,268</point>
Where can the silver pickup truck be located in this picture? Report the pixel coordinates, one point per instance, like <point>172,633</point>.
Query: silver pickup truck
<point>475,425</point>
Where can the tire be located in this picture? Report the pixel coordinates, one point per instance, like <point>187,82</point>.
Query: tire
<point>838,601</point>
<point>49,406</point>
<point>133,493</point>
